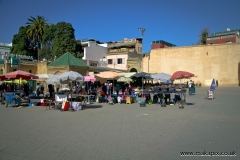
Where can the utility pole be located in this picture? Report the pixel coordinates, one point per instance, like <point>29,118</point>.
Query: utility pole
<point>142,30</point>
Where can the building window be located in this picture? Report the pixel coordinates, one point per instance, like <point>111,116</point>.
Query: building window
<point>120,61</point>
<point>110,61</point>
<point>93,64</point>
<point>213,38</point>
<point>228,36</point>
<point>1,71</point>
<point>228,41</point>
<point>139,49</point>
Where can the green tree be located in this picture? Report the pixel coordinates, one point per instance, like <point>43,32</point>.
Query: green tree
<point>203,36</point>
<point>42,40</point>
<point>64,40</point>
<point>79,51</point>
<point>47,42</point>
<point>36,30</point>
<point>21,43</point>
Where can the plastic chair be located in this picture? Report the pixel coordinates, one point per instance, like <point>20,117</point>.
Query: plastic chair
<point>128,100</point>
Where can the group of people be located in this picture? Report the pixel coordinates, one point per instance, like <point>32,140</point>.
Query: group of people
<point>11,87</point>
<point>108,88</point>
<point>40,90</point>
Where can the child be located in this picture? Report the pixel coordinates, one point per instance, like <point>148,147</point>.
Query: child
<point>110,100</point>
<point>119,99</point>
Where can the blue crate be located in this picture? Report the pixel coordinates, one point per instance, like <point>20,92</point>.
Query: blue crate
<point>10,99</point>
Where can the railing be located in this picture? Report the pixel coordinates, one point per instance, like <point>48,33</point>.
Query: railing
<point>26,62</point>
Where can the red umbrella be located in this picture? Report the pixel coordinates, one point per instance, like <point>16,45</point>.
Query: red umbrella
<point>17,75</point>
<point>181,75</point>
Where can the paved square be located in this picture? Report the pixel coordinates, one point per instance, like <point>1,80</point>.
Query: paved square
<point>124,132</point>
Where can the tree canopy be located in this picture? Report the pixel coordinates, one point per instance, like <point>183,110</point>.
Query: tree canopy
<point>203,36</point>
<point>35,31</point>
<point>41,39</point>
<point>64,40</point>
<point>21,43</point>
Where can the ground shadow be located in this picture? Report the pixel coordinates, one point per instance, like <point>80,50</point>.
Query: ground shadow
<point>190,104</point>
<point>93,106</point>
<point>193,94</point>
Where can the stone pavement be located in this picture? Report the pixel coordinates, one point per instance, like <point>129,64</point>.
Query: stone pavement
<point>124,132</point>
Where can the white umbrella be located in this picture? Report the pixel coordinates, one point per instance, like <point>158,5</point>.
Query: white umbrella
<point>53,79</point>
<point>44,76</point>
<point>70,76</point>
<point>162,77</point>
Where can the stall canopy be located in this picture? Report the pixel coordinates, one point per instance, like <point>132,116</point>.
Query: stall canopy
<point>163,77</point>
<point>181,75</point>
<point>44,76</point>
<point>143,75</point>
<point>16,81</point>
<point>17,75</point>
<point>108,74</point>
<point>89,78</point>
<point>124,79</point>
<point>70,76</point>
<point>53,79</point>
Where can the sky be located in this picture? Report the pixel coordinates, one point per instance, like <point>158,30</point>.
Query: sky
<point>175,21</point>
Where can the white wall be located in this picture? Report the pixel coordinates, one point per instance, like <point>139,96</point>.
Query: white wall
<point>4,47</point>
<point>94,52</point>
<point>103,45</point>
<point>115,65</point>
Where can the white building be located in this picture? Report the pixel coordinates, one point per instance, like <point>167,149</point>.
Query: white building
<point>94,52</point>
<point>4,49</point>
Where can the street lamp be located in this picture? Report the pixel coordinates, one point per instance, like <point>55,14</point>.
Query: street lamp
<point>142,30</point>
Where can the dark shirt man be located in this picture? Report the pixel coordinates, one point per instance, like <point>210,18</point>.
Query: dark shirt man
<point>50,90</point>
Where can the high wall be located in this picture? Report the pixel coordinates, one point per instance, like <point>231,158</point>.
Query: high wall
<point>205,61</point>
<point>42,68</point>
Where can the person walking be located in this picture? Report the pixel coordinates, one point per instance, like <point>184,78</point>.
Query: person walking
<point>38,89</point>
<point>50,90</point>
<point>117,88</point>
<point>26,89</point>
<point>42,89</point>
<point>57,87</point>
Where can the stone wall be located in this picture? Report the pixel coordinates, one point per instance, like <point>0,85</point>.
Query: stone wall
<point>61,69</point>
<point>134,63</point>
<point>205,61</point>
<point>42,68</point>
